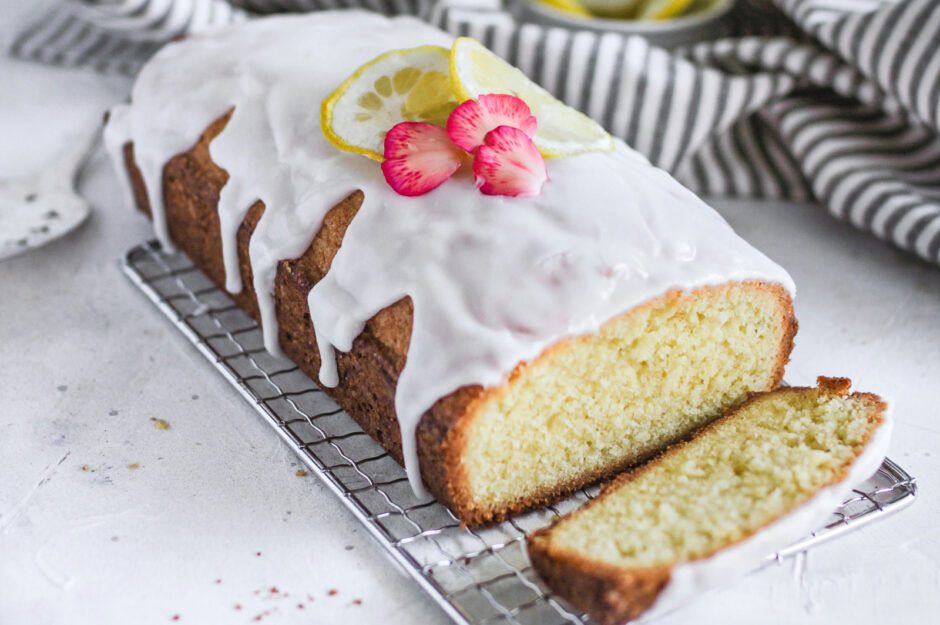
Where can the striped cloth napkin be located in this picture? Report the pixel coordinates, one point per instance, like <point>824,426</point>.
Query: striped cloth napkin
<point>836,101</point>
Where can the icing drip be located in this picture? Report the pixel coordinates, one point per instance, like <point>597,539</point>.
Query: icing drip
<point>494,280</point>
<point>116,134</point>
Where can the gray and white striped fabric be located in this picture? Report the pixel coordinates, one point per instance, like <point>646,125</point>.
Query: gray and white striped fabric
<point>116,36</point>
<point>832,100</point>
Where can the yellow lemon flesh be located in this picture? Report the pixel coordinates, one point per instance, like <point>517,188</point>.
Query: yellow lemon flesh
<point>571,7</point>
<point>662,9</point>
<point>401,85</point>
<point>617,9</point>
<point>562,131</point>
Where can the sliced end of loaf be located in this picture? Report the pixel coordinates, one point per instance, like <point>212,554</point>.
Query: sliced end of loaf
<point>597,404</point>
<point>752,468</point>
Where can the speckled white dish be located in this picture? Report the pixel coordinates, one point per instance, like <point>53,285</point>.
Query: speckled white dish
<point>707,23</point>
<point>44,206</point>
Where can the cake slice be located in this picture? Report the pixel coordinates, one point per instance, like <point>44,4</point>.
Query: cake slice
<point>763,476</point>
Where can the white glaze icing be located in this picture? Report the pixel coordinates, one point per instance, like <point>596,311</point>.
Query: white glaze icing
<point>116,133</point>
<point>689,580</point>
<point>494,280</point>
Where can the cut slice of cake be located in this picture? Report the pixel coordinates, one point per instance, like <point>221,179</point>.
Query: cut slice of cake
<point>758,479</point>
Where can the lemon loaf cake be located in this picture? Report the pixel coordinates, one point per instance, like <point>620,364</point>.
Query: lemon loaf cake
<point>506,350</point>
<point>755,481</point>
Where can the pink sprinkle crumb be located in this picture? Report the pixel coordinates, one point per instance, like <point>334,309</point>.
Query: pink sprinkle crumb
<point>238,606</point>
<point>218,581</point>
<point>175,617</point>
<point>333,592</point>
<point>300,606</point>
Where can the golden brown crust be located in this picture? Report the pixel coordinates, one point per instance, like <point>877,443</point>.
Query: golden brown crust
<point>192,183</point>
<point>612,595</point>
<point>369,372</point>
<point>608,594</point>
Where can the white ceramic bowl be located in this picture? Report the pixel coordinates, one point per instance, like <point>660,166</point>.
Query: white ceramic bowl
<point>707,23</point>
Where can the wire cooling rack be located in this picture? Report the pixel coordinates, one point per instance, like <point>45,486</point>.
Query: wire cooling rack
<point>478,576</point>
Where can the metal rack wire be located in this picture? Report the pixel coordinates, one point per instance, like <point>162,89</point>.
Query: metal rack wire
<point>478,576</point>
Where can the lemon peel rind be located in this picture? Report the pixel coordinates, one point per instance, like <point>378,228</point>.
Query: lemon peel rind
<point>648,11</point>
<point>571,8</point>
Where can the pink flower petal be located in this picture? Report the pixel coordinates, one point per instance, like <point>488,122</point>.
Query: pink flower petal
<point>470,122</point>
<point>419,157</point>
<point>508,163</point>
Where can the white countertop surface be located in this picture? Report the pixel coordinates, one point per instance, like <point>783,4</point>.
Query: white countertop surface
<point>213,525</point>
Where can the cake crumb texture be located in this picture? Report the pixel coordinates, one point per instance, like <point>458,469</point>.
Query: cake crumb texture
<point>600,403</point>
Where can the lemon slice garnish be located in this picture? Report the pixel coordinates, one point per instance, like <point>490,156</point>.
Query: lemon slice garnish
<point>571,7</point>
<point>562,131</point>
<point>662,9</point>
<point>401,85</point>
